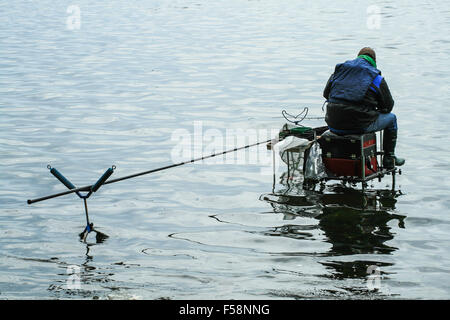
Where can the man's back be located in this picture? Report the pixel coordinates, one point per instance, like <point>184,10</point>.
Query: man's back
<point>356,94</point>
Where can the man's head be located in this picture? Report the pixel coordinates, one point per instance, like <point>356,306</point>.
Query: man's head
<point>368,52</point>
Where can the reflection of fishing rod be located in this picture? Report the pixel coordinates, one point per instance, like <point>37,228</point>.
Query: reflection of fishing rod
<point>107,174</point>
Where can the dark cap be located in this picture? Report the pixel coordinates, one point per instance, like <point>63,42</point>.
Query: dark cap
<point>368,52</point>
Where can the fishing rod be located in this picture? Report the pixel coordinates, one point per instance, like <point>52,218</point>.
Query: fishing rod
<point>102,180</point>
<point>90,189</point>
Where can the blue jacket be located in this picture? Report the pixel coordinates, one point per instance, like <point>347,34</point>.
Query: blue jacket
<point>356,93</point>
<point>351,80</point>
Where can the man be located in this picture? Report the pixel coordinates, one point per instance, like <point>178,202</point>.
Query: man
<point>359,101</point>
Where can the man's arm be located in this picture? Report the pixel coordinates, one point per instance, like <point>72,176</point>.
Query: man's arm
<point>385,101</point>
<point>326,91</point>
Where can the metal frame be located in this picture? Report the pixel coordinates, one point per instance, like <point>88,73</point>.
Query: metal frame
<point>381,172</point>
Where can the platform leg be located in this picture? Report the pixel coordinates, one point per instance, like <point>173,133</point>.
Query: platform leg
<point>393,180</point>
<point>273,167</point>
<point>381,148</point>
<point>363,165</point>
<point>288,165</point>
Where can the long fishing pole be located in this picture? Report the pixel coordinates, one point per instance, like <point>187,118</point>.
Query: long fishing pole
<point>90,187</point>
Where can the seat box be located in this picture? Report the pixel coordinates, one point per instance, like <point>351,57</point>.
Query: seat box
<point>341,155</point>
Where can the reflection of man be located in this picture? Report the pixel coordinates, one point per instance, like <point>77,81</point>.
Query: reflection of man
<point>359,101</point>
<point>352,231</point>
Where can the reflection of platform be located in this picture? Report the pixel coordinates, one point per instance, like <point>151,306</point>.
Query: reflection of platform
<point>336,196</point>
<point>354,222</point>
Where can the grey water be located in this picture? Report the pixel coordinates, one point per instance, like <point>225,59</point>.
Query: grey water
<point>88,85</point>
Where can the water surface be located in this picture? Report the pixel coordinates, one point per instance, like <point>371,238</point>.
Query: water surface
<point>115,90</point>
